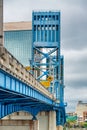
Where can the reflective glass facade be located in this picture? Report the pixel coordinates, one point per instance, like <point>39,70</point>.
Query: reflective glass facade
<point>18,43</point>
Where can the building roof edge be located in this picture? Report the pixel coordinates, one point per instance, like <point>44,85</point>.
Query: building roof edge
<point>10,26</point>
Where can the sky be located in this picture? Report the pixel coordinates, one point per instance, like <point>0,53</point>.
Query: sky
<point>73,40</point>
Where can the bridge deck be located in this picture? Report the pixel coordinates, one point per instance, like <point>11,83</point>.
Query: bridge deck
<point>11,65</point>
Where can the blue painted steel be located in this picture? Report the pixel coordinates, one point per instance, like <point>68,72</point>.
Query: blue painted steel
<point>10,83</point>
<point>46,54</point>
<point>60,116</point>
<point>18,96</point>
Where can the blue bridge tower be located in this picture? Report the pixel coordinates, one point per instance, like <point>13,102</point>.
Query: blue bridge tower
<point>47,63</point>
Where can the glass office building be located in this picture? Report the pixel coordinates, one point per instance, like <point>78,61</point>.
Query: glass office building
<point>18,40</point>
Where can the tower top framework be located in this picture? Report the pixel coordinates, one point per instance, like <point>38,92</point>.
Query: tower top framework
<point>46,48</point>
<point>46,29</point>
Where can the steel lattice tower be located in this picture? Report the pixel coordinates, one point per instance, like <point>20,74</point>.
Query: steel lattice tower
<point>47,62</point>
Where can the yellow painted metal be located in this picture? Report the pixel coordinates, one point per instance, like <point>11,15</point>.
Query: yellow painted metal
<point>49,78</point>
<point>28,68</point>
<point>46,83</point>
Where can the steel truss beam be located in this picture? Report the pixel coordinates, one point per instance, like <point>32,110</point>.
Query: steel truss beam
<point>11,85</point>
<point>18,96</point>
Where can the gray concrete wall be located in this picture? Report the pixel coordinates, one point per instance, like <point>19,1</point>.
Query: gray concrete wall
<point>22,121</point>
<point>42,117</point>
<point>19,125</point>
<point>43,123</point>
<point>1,22</point>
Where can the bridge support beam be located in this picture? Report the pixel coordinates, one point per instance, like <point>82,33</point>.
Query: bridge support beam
<point>59,127</point>
<point>52,120</point>
<point>34,125</point>
<point>1,22</point>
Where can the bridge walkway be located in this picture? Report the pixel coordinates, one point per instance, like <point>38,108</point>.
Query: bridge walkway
<point>19,90</point>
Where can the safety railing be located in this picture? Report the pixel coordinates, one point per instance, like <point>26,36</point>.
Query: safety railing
<point>11,65</point>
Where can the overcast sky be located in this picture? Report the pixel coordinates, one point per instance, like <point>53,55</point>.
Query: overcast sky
<point>73,39</point>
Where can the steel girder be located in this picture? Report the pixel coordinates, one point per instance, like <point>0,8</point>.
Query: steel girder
<point>18,96</point>
<point>14,85</point>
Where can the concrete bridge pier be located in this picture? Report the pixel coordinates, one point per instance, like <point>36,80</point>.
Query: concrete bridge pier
<point>19,125</point>
<point>23,121</point>
<point>34,125</point>
<point>1,22</point>
<point>52,120</point>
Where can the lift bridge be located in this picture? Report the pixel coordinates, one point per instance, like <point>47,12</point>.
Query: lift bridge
<point>42,87</point>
